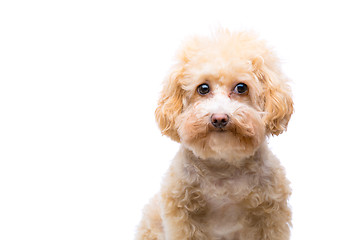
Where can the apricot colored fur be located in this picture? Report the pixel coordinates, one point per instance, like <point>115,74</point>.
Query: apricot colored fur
<point>222,185</point>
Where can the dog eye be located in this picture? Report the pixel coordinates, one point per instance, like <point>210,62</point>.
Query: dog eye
<point>203,89</point>
<point>241,88</point>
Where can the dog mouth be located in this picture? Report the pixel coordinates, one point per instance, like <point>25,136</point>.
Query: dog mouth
<point>219,130</point>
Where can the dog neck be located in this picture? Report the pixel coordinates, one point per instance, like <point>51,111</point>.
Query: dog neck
<point>192,166</point>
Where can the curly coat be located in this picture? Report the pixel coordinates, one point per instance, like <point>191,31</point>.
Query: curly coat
<point>222,185</point>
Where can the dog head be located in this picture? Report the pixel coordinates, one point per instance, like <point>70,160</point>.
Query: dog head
<point>224,96</point>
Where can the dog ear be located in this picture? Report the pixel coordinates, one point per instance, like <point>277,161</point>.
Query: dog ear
<point>277,101</point>
<point>170,104</point>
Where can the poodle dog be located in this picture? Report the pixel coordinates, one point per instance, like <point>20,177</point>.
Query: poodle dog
<point>225,95</point>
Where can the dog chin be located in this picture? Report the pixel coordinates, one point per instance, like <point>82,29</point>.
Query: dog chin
<point>223,145</point>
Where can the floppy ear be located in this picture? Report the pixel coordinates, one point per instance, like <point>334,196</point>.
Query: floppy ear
<point>170,104</point>
<point>277,100</point>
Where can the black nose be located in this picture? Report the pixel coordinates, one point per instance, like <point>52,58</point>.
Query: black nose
<point>219,120</point>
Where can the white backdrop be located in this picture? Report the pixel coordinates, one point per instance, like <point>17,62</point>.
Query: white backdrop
<point>80,152</point>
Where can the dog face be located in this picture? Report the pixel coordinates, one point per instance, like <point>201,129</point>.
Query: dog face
<point>224,96</point>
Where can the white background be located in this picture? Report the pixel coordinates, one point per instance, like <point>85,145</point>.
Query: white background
<point>80,152</point>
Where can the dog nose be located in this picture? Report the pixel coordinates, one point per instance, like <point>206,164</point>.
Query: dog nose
<point>219,120</point>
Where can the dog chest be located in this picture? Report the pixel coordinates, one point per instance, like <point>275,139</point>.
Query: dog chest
<point>225,215</point>
<point>224,218</point>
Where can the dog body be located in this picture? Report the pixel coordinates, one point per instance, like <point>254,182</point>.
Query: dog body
<point>223,98</point>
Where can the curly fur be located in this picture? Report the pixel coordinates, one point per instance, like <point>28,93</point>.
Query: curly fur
<point>222,185</point>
